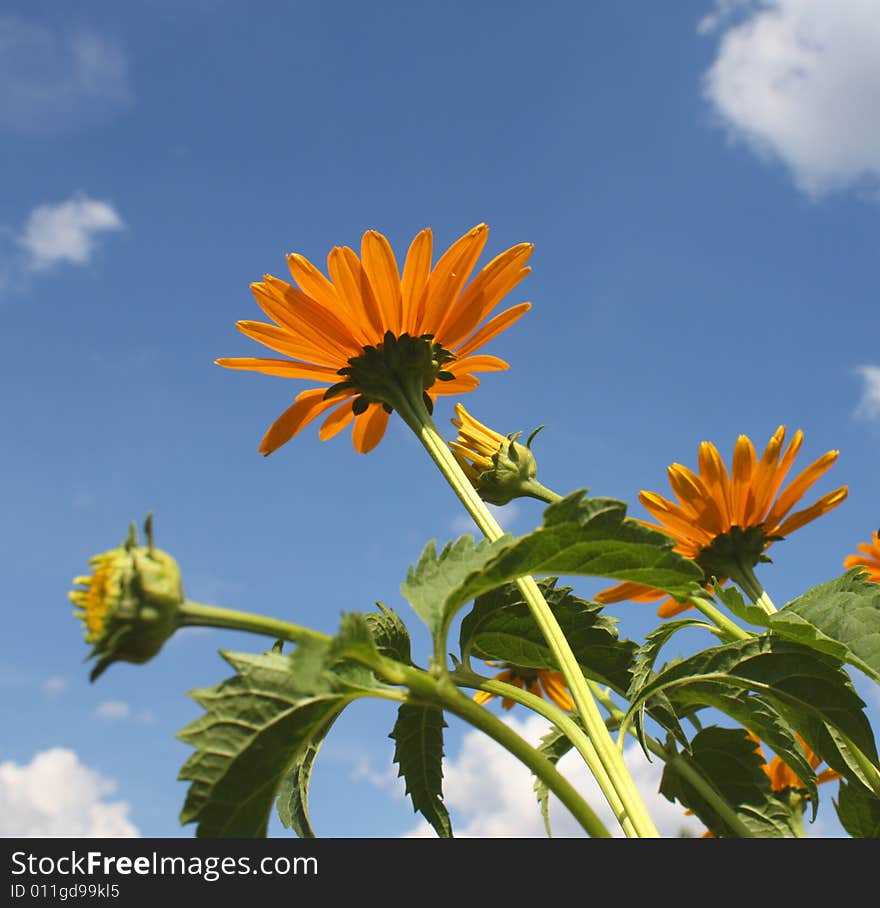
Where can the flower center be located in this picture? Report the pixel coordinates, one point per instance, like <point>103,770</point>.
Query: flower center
<point>397,365</point>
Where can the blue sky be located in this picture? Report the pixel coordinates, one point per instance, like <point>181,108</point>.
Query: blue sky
<point>700,183</point>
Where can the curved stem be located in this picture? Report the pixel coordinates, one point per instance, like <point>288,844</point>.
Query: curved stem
<point>562,720</point>
<point>726,627</point>
<point>615,781</point>
<point>449,696</point>
<point>441,691</point>
<point>196,614</point>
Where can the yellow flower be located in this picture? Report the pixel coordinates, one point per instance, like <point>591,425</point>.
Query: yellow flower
<point>722,520</point>
<point>129,603</point>
<point>869,559</point>
<point>369,323</point>
<point>498,467</point>
<point>541,682</point>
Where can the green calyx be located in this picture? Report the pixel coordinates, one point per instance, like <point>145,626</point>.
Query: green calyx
<point>380,373</point>
<point>512,474</point>
<point>733,554</point>
<point>131,602</point>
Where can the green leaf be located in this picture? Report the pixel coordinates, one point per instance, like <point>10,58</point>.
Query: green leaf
<point>642,672</point>
<point>589,537</point>
<point>809,690</point>
<point>293,793</point>
<point>418,737</point>
<point>255,725</point>
<point>840,618</point>
<point>501,627</point>
<point>389,633</point>
<point>763,720</point>
<point>731,597</point>
<point>858,811</point>
<point>726,758</point>
<point>428,585</point>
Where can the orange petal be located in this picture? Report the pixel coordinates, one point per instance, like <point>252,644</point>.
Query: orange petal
<point>284,367</point>
<point>633,592</point>
<point>380,267</point>
<point>761,496</point>
<point>800,518</point>
<point>481,362</point>
<point>493,328</point>
<point>798,487</point>
<point>416,271</point>
<point>369,427</point>
<point>449,276</point>
<point>305,408</point>
<point>313,282</point>
<point>484,293</point>
<point>348,275</point>
<point>461,384</point>
<point>669,608</point>
<point>335,423</point>
<point>744,459</point>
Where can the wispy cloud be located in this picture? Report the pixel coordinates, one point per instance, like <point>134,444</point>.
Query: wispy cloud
<point>66,232</point>
<point>869,404</point>
<point>113,710</point>
<point>56,795</point>
<point>54,686</point>
<point>54,79</point>
<point>506,517</point>
<point>798,80</point>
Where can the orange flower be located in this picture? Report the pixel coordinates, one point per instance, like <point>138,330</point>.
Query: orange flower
<point>782,776</point>
<point>723,520</point>
<point>540,682</point>
<point>330,328</point>
<point>869,559</point>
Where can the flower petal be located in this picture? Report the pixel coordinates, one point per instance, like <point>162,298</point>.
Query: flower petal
<point>493,328</point>
<point>380,267</point>
<point>369,428</point>
<point>305,408</point>
<point>284,367</point>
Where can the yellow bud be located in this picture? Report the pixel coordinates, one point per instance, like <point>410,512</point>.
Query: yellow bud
<point>129,603</point>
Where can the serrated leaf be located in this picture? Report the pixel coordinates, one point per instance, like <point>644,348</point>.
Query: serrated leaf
<point>726,758</point>
<point>586,537</point>
<point>501,627</point>
<point>293,792</point>
<point>732,598</point>
<point>428,585</point>
<point>389,634</point>
<point>858,811</point>
<point>840,618</point>
<point>418,750</point>
<point>255,725</point>
<point>809,690</point>
<point>643,670</point>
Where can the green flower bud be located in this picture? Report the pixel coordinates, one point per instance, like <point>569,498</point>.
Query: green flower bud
<point>129,603</point>
<point>499,468</point>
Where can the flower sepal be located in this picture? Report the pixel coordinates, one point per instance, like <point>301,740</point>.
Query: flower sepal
<point>129,605</point>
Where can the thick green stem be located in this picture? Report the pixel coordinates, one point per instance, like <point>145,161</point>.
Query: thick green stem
<point>195,614</point>
<point>751,586</point>
<point>563,721</point>
<point>422,684</point>
<point>616,777</point>
<point>449,696</point>
<point>726,627</point>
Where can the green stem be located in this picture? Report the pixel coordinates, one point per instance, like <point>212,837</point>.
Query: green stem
<point>726,627</point>
<point>196,614</point>
<point>751,586</point>
<point>615,778</point>
<point>562,720</point>
<point>445,691</point>
<point>533,489</point>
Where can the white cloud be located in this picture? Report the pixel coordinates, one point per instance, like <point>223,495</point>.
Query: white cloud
<point>54,79</point>
<point>489,792</point>
<point>54,686</point>
<point>113,710</point>
<point>57,796</point>
<point>66,232</point>
<point>869,405</point>
<point>798,80</point>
